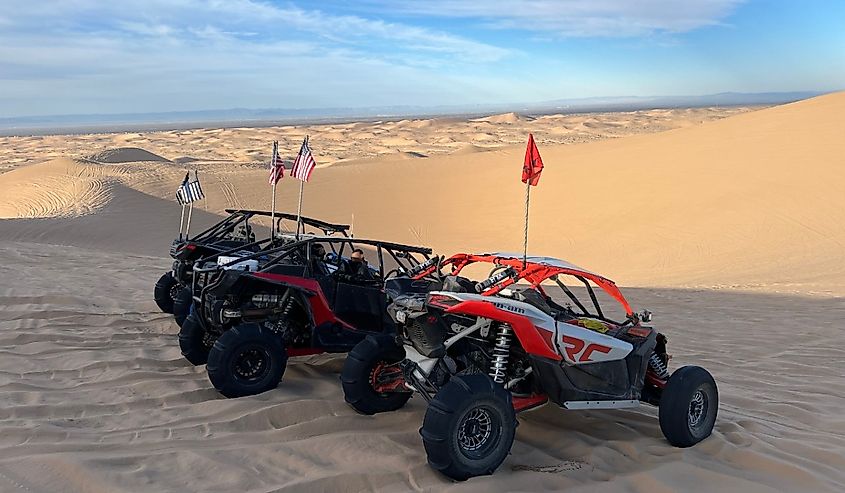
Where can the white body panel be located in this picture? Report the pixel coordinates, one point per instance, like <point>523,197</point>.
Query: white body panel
<point>580,346</point>
<point>250,265</point>
<point>576,345</point>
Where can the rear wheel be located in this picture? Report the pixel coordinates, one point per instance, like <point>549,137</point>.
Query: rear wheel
<point>369,377</point>
<point>182,305</point>
<point>165,292</point>
<point>469,427</point>
<point>246,360</point>
<point>688,406</point>
<point>194,341</point>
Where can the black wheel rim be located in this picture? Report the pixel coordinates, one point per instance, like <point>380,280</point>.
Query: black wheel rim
<point>697,413</point>
<point>251,364</point>
<point>208,340</point>
<point>478,432</point>
<point>174,291</point>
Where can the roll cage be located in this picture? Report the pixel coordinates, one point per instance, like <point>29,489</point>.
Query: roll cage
<point>242,216</point>
<point>300,252</point>
<point>535,271</point>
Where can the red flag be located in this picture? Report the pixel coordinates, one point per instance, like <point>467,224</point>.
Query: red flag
<point>533,165</point>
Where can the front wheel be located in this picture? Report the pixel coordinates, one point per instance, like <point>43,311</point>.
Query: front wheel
<point>194,341</point>
<point>165,292</point>
<point>182,305</point>
<point>469,427</point>
<point>246,360</point>
<point>371,377</point>
<point>688,406</point>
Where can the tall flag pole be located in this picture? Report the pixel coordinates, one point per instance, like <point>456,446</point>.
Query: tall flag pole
<point>189,192</point>
<point>277,172</point>
<point>302,167</point>
<point>531,169</point>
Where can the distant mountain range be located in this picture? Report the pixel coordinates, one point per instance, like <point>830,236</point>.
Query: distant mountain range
<point>42,125</point>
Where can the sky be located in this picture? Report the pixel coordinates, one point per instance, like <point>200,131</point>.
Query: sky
<point>135,56</point>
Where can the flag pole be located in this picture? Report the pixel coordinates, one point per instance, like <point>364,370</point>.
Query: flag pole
<point>299,209</point>
<point>182,222</point>
<point>525,240</point>
<point>275,180</point>
<point>190,210</point>
<point>188,227</point>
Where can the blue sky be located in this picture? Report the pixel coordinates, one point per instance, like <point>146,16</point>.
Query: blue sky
<point>125,56</point>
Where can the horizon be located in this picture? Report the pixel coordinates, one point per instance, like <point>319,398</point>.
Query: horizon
<point>141,57</point>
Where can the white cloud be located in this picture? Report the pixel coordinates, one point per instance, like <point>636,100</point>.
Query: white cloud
<point>612,18</point>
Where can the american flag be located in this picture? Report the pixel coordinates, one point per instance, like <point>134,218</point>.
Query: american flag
<point>304,163</point>
<point>277,166</point>
<point>190,190</point>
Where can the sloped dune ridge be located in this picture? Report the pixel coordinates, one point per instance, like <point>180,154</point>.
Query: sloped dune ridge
<point>53,189</point>
<point>126,155</point>
<point>730,229</point>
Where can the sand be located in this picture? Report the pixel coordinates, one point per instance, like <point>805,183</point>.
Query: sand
<point>725,223</point>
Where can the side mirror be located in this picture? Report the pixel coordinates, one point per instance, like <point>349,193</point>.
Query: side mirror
<point>645,316</point>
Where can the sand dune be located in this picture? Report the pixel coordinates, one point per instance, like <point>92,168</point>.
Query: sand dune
<point>345,141</point>
<point>753,201</point>
<point>97,397</point>
<point>126,155</point>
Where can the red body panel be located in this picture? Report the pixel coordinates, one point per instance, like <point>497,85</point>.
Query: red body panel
<point>529,336</point>
<point>319,306</point>
<point>530,402</point>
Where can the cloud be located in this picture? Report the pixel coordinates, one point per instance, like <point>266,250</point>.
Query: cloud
<point>581,18</point>
<point>84,56</point>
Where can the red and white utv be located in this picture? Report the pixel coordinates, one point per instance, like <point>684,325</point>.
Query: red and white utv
<point>481,352</point>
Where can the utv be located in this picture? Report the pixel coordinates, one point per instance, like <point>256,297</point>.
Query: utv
<point>231,235</point>
<point>480,353</point>
<point>305,297</point>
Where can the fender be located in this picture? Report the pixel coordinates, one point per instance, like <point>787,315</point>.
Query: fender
<point>320,311</point>
<point>534,340</point>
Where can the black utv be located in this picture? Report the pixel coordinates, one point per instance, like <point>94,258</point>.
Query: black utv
<point>311,296</point>
<point>233,235</point>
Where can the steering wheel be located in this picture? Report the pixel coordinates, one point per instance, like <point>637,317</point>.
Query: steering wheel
<point>390,273</point>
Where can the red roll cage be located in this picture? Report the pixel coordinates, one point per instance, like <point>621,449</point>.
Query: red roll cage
<point>535,271</point>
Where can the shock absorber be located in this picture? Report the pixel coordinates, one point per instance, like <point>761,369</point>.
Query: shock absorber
<point>501,352</point>
<point>658,366</point>
<point>288,303</point>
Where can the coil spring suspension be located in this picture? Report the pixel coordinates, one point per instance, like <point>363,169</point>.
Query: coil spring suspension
<point>289,303</point>
<point>501,352</point>
<point>283,323</point>
<point>658,366</point>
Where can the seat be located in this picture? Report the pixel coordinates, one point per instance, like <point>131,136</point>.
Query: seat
<point>457,284</point>
<point>537,300</point>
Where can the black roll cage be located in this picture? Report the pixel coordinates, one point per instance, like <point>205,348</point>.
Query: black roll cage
<point>238,216</point>
<point>401,254</point>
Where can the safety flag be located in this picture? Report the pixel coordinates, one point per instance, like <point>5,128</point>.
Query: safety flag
<point>533,165</point>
